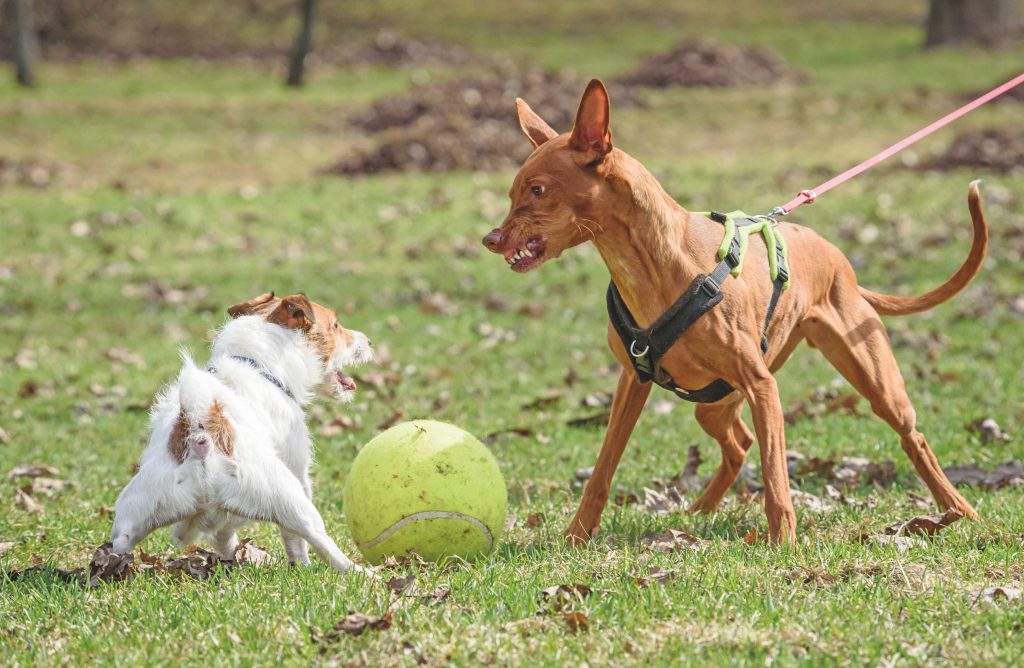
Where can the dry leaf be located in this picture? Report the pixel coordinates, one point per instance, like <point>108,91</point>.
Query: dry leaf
<point>900,543</point>
<point>4,547</point>
<point>391,420</point>
<point>656,575</point>
<point>926,525</point>
<point>31,471</point>
<point>198,564</point>
<point>495,436</point>
<point>662,503</point>
<point>810,576</point>
<point>109,566</point>
<point>22,498</point>
<point>248,553</point>
<point>583,474</point>
<point>671,540</point>
<point>595,420</point>
<point>999,594</point>
<point>1002,475</point>
<point>534,520</point>
<point>354,624</point>
<point>5,438</point>
<point>988,431</point>
<point>810,501</point>
<point>575,620</point>
<point>560,597</point>
<point>546,399</point>
<point>397,585</point>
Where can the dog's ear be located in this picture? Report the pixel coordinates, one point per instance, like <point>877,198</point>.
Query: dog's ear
<point>591,134</point>
<point>251,306</point>
<point>536,129</point>
<point>294,312</point>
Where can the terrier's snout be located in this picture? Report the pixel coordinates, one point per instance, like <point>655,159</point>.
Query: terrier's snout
<point>200,446</point>
<point>493,240</point>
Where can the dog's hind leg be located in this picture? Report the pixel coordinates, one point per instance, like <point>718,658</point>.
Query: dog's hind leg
<point>853,338</point>
<point>144,506</point>
<point>723,423</point>
<point>273,494</point>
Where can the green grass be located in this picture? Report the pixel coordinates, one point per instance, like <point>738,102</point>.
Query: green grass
<point>200,177</point>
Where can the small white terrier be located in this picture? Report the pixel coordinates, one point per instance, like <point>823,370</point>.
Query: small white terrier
<point>229,443</point>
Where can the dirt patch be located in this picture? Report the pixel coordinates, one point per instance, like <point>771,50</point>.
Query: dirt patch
<point>465,123</point>
<point>998,149</point>
<point>709,65</point>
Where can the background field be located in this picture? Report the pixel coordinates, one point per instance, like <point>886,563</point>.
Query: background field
<point>177,187</point>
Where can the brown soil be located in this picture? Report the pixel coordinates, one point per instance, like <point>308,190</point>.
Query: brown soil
<point>466,123</point>
<point>703,64</point>
<point>998,149</point>
<point>30,173</point>
<point>388,49</point>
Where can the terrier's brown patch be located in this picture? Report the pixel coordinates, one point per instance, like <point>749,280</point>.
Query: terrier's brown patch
<point>220,430</point>
<point>177,443</point>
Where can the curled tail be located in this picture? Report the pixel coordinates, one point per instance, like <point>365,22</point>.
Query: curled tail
<point>893,305</point>
<point>202,424</point>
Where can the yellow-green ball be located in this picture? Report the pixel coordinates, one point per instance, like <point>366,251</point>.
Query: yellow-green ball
<point>427,487</point>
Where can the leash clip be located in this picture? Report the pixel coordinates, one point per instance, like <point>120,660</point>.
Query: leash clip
<point>634,353</point>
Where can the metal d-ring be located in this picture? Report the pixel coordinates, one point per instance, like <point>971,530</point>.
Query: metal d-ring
<point>634,353</point>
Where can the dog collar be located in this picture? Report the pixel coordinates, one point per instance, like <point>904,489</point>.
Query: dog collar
<point>262,370</point>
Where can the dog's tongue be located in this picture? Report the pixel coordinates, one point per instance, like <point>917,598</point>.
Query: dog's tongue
<point>346,382</point>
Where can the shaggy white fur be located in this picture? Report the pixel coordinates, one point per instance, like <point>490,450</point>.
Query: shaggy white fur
<point>215,485</point>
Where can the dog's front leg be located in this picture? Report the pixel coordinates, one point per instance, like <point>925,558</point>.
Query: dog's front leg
<point>630,397</point>
<point>763,395</point>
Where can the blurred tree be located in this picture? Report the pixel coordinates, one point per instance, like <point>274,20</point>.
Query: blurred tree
<point>22,36</point>
<point>297,58</point>
<point>987,22</point>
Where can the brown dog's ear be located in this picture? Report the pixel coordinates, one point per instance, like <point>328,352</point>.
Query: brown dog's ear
<point>294,312</point>
<point>536,129</point>
<point>251,306</point>
<point>590,134</point>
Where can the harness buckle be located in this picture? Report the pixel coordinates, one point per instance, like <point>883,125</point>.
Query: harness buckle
<point>710,286</point>
<point>634,353</point>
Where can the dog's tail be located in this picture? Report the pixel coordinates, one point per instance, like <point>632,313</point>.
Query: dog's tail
<point>893,305</point>
<point>203,424</point>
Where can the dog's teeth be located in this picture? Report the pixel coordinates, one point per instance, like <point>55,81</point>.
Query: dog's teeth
<point>527,253</point>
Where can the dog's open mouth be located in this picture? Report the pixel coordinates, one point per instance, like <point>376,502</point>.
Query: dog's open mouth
<point>345,382</point>
<point>525,258</point>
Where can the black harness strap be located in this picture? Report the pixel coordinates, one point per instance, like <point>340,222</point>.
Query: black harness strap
<point>647,346</point>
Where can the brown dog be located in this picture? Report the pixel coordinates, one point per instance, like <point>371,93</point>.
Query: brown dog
<point>576,187</point>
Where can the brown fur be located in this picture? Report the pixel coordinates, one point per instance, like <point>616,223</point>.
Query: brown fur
<point>576,187</point>
<point>220,430</point>
<point>297,312</point>
<point>176,445</point>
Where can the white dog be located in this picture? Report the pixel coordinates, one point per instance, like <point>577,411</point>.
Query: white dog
<point>229,443</point>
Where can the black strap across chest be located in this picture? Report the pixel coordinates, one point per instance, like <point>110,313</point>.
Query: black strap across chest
<point>648,345</point>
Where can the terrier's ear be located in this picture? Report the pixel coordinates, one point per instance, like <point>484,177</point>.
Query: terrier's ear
<point>591,134</point>
<point>536,129</point>
<point>251,306</point>
<point>294,312</point>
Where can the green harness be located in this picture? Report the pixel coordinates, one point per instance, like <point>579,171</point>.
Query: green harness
<point>647,346</point>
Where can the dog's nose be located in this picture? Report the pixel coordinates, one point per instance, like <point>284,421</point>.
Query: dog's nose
<point>493,240</point>
<point>369,342</point>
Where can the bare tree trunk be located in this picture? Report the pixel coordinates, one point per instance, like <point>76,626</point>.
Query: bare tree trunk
<point>986,22</point>
<point>297,58</point>
<point>22,34</point>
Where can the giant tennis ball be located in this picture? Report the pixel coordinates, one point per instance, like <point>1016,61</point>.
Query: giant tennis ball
<point>427,487</point>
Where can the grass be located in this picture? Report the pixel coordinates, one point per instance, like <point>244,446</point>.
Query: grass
<point>200,178</point>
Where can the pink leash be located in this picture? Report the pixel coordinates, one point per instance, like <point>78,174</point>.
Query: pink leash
<point>808,196</point>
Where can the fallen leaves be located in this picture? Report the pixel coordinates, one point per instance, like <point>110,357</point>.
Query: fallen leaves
<point>109,566</point>
<point>656,575</point>
<point>5,546</point>
<point>671,541</point>
<point>996,595</point>
<point>927,525</point>
<point>988,430</point>
<point>25,500</point>
<point>562,601</point>
<point>353,624</point>
<point>1006,474</point>
<point>904,535</point>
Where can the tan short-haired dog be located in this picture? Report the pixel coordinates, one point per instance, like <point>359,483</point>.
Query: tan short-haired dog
<point>576,187</point>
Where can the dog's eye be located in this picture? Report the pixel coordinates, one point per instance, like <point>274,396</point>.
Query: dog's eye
<point>537,190</point>
<point>336,324</point>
